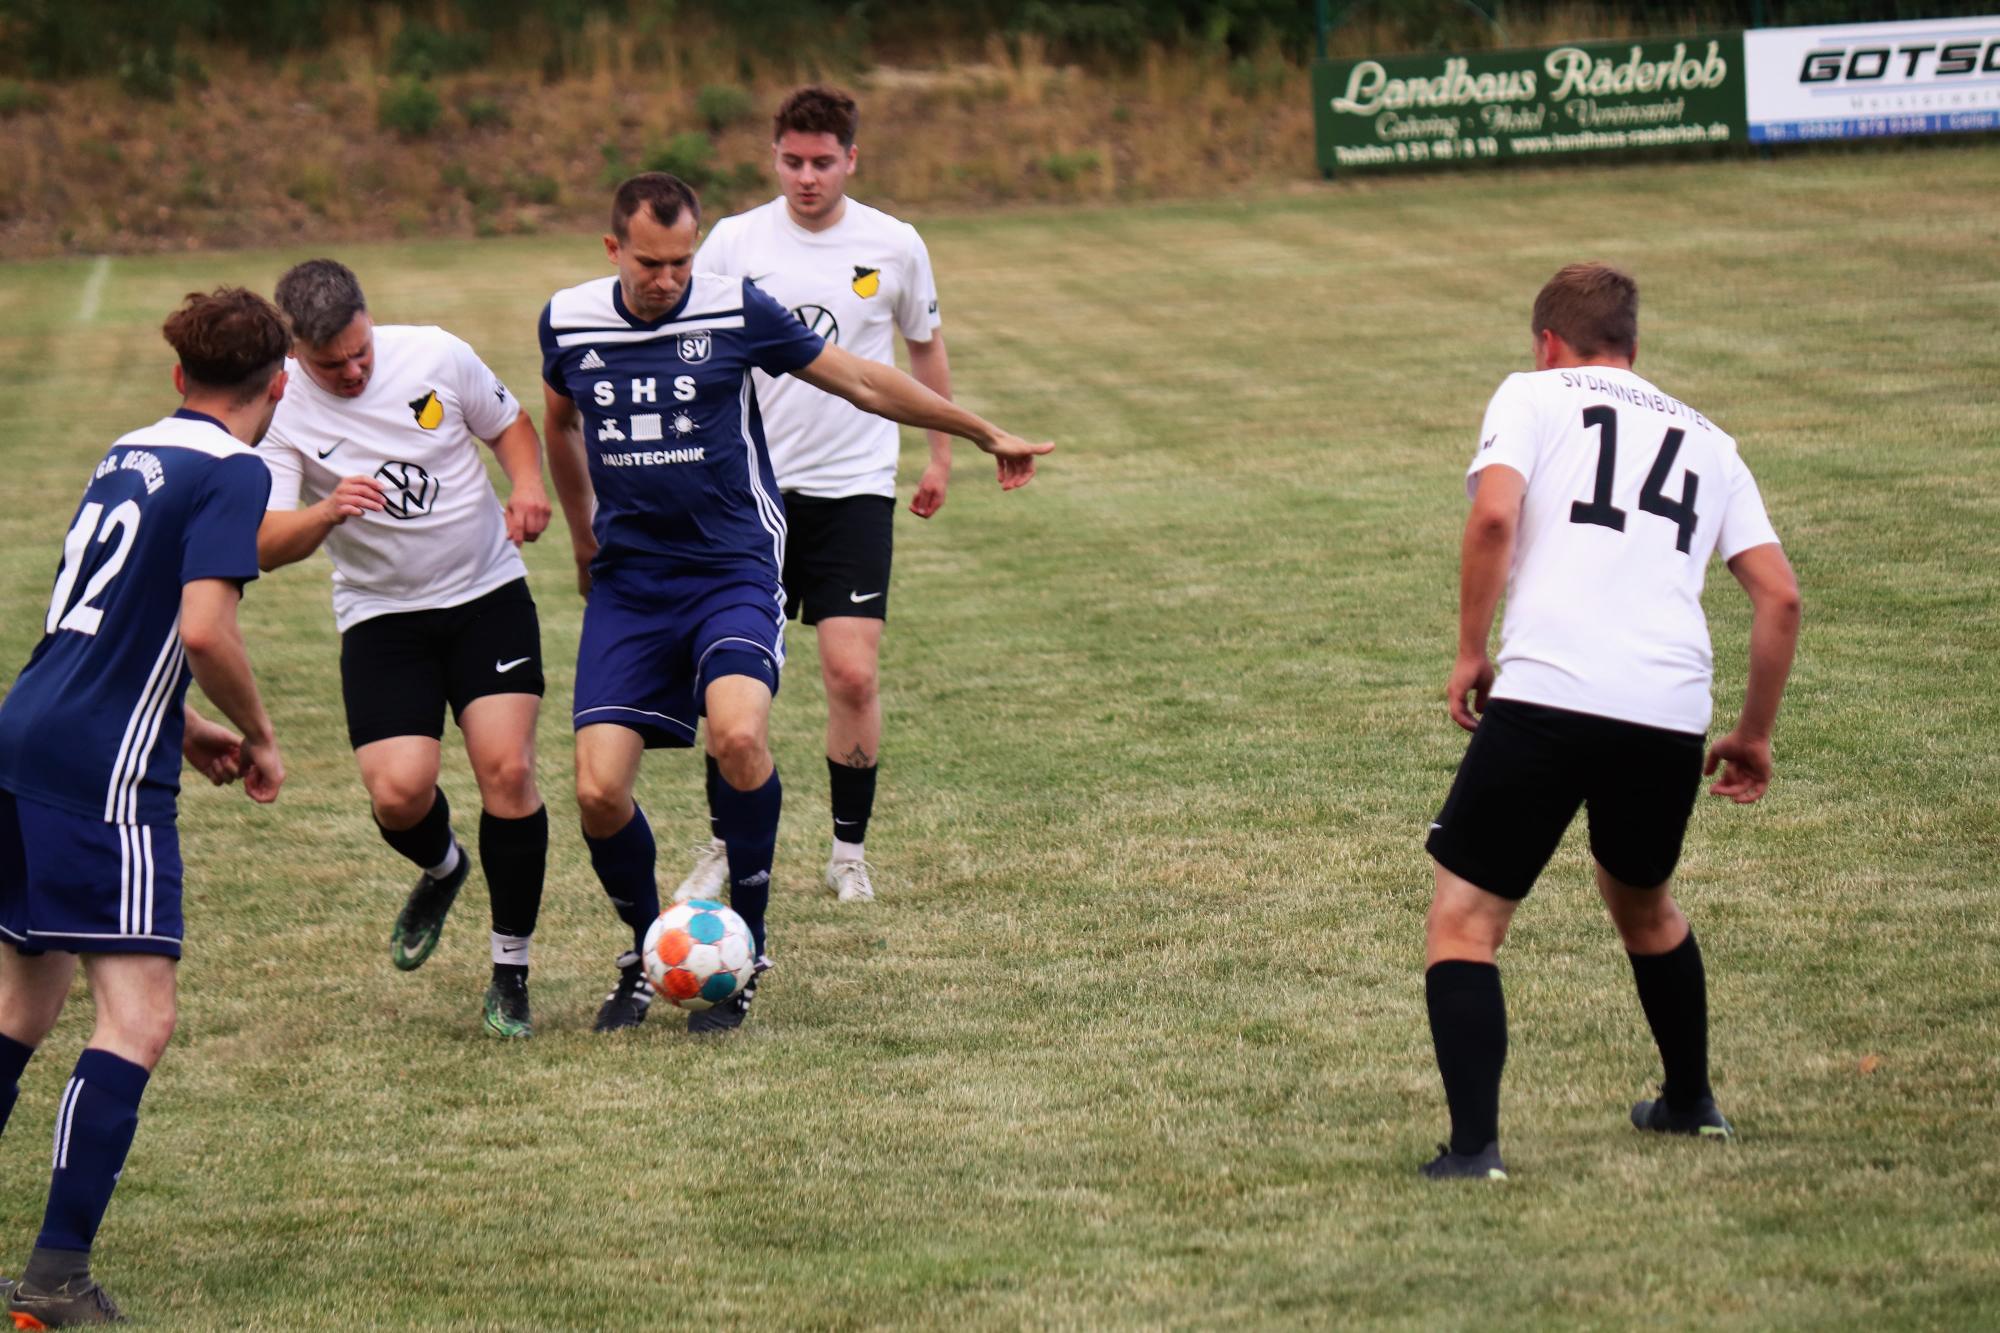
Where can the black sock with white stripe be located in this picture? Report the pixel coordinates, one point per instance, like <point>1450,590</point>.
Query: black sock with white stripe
<point>95,1122</point>
<point>515,853</point>
<point>428,842</point>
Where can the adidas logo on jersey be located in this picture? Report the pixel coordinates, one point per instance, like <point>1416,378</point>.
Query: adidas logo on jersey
<point>591,361</point>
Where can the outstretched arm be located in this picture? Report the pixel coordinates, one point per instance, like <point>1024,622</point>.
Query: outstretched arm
<point>520,453</point>
<point>887,392</point>
<point>221,666</point>
<point>1745,753</point>
<point>931,367</point>
<point>1485,554</point>
<point>569,468</point>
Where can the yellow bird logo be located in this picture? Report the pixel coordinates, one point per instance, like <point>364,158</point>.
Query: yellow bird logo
<point>867,281</point>
<point>428,411</point>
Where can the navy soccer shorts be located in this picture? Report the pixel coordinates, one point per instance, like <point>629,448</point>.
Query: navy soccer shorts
<point>74,884</point>
<point>1528,769</point>
<point>652,642</point>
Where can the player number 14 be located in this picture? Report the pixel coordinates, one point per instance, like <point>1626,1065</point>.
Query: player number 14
<point>83,617</point>
<point>1599,510</point>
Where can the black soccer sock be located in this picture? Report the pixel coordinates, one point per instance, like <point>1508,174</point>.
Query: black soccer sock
<point>14,1057</point>
<point>515,853</point>
<point>749,823</point>
<point>428,841</point>
<point>95,1122</point>
<point>713,781</point>
<point>1469,1030</point>
<point>853,792</point>
<point>1673,990</point>
<point>624,865</point>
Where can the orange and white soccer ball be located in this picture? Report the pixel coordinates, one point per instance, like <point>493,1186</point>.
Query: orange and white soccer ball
<point>698,954</point>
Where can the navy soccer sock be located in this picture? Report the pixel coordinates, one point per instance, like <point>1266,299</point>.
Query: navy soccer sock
<point>748,821</point>
<point>1469,1030</point>
<point>427,842</point>
<point>853,791</point>
<point>624,865</point>
<point>714,783</point>
<point>14,1057</point>
<point>95,1122</point>
<point>1673,990</point>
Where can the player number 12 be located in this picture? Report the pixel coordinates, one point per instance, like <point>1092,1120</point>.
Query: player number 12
<point>83,617</point>
<point>1599,510</point>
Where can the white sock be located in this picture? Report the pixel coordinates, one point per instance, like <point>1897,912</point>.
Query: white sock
<point>846,851</point>
<point>446,866</point>
<point>510,949</point>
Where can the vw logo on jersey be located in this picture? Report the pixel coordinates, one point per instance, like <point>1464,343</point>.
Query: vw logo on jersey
<point>407,490</point>
<point>820,320</point>
<point>694,347</point>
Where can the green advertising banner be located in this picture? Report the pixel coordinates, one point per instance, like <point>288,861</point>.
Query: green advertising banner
<point>1547,102</point>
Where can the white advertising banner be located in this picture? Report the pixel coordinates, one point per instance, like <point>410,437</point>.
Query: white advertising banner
<point>1855,80</point>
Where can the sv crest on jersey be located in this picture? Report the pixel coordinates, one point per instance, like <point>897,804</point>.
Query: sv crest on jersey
<point>695,347</point>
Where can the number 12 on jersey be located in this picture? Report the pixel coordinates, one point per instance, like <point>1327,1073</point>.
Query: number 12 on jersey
<point>83,617</point>
<point>1599,510</point>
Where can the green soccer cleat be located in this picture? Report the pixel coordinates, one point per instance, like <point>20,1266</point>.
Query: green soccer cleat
<point>1704,1121</point>
<point>507,1013</point>
<point>421,921</point>
<point>1448,1165</point>
<point>76,1302</point>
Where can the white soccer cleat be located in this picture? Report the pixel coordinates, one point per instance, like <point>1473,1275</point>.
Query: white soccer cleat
<point>849,880</point>
<point>710,873</point>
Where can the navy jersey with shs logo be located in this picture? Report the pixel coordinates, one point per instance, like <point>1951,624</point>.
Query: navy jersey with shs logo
<point>670,420</point>
<point>93,723</point>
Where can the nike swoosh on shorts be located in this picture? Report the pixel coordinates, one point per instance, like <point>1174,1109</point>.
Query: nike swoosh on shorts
<point>504,667</point>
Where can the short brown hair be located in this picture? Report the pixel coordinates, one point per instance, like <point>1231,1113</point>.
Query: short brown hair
<point>667,196</point>
<point>229,340</point>
<point>1593,307</point>
<point>818,110</point>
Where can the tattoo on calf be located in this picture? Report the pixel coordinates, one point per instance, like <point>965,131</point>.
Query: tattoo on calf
<point>858,758</point>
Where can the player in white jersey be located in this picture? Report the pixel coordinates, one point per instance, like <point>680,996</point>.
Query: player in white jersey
<point>1596,503</point>
<point>857,277</point>
<point>376,454</point>
<point>92,734</point>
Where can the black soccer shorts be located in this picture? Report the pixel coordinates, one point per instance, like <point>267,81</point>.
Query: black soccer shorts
<point>1527,770</point>
<point>398,671</point>
<point>837,556</point>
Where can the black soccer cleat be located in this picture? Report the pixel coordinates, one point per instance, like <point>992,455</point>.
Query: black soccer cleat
<point>507,1013</point>
<point>1704,1121</point>
<point>729,1015</point>
<point>1482,1165</point>
<point>626,1005</point>
<point>78,1301</point>
<point>421,921</point>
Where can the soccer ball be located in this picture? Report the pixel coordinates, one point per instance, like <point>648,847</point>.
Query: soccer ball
<point>698,954</point>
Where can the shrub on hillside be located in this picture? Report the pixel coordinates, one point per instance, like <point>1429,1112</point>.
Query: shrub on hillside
<point>409,110</point>
<point>421,51</point>
<point>484,113</point>
<point>688,155</point>
<point>721,105</point>
<point>17,97</point>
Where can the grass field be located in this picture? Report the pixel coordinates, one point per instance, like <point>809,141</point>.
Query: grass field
<point>1135,1036</point>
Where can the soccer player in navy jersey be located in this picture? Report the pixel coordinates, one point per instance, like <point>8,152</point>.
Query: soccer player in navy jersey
<point>659,461</point>
<point>91,740</point>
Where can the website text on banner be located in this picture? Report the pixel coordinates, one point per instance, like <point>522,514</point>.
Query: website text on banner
<point>1936,76</point>
<point>1541,102</point>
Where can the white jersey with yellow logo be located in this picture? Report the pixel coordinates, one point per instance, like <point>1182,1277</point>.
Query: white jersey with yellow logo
<point>1630,492</point>
<point>416,429</point>
<point>856,284</point>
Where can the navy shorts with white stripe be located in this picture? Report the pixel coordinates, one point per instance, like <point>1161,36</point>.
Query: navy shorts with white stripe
<point>76,884</point>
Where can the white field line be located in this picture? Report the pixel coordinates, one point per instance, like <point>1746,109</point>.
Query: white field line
<point>93,290</point>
